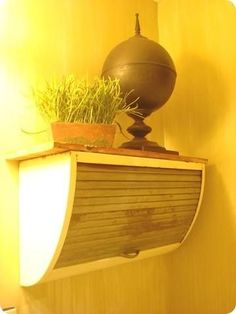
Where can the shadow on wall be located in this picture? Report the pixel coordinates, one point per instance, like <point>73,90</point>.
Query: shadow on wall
<point>204,266</point>
<point>198,106</point>
<point>202,272</point>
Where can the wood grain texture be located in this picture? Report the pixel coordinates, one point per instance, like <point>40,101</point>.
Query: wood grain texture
<point>52,148</point>
<point>120,209</point>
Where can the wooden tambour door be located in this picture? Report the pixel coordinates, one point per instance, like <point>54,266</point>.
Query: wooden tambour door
<point>83,210</point>
<point>122,210</point>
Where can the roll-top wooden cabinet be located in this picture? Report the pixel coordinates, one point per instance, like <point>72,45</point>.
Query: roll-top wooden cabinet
<point>82,211</point>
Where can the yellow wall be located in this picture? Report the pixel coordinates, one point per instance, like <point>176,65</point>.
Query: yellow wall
<point>38,40</point>
<point>200,120</point>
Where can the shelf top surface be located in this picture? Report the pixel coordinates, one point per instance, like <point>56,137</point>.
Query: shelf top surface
<point>52,148</point>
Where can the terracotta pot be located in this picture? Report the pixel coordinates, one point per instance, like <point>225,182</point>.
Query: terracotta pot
<point>98,135</point>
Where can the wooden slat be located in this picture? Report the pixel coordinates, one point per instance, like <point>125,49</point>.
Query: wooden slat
<point>131,206</point>
<point>96,168</point>
<point>77,219</point>
<point>126,242</point>
<point>112,223</point>
<point>128,173</point>
<point>91,248</point>
<point>113,200</point>
<point>133,177</point>
<point>130,228</point>
<point>72,257</point>
<point>96,236</point>
<point>113,185</point>
<point>83,193</point>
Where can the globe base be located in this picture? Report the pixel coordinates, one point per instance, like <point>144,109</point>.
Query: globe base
<point>141,143</point>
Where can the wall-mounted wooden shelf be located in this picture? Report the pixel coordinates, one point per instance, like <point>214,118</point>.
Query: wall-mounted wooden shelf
<point>85,210</point>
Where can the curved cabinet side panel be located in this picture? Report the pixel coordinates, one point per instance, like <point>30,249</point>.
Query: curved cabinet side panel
<point>45,197</point>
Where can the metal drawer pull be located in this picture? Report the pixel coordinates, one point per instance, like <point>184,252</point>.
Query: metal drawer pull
<point>130,254</point>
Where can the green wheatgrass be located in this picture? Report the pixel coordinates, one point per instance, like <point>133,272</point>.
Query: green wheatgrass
<point>80,100</point>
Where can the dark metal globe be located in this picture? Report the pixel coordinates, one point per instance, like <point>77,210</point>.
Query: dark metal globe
<point>144,66</point>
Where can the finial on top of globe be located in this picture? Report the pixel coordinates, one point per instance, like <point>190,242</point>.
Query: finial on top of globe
<point>144,66</point>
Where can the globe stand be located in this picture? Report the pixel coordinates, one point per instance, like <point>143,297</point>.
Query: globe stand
<point>139,130</point>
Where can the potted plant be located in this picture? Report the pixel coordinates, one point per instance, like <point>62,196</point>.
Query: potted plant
<point>82,111</point>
